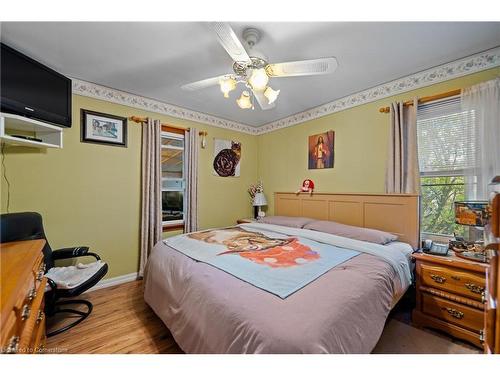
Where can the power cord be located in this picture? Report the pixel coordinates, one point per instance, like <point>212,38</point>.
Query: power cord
<point>5,176</point>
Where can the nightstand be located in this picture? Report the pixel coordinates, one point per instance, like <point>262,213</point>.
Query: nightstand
<point>246,221</point>
<point>450,296</point>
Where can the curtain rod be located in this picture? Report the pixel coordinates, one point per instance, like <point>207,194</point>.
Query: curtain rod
<point>143,120</point>
<point>426,99</point>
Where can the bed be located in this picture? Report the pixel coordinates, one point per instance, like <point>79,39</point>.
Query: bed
<point>343,310</point>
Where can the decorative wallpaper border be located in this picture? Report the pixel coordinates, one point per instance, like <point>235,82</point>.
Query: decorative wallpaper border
<point>459,68</point>
<point>96,91</point>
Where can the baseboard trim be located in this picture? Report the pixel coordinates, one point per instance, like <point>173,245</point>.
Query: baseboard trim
<point>106,283</point>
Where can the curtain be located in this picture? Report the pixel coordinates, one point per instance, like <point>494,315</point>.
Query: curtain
<point>191,158</point>
<point>402,173</point>
<point>151,218</point>
<point>482,102</point>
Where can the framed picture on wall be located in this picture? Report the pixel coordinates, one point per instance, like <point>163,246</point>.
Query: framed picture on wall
<point>227,157</point>
<point>103,128</point>
<point>321,150</point>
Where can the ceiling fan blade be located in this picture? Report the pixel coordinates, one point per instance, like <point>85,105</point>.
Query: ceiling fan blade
<point>230,42</point>
<point>204,83</point>
<point>262,100</point>
<point>302,68</point>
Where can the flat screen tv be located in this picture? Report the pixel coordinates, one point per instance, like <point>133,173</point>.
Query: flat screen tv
<point>30,89</point>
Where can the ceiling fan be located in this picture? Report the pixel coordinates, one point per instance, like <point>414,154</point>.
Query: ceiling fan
<point>252,69</point>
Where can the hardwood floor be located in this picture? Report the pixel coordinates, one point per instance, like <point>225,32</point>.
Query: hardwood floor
<point>121,322</point>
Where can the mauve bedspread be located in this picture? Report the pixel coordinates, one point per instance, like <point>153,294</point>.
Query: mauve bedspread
<point>210,311</point>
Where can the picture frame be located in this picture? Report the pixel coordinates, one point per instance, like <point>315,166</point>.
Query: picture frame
<point>321,150</point>
<point>227,158</point>
<point>471,213</point>
<point>103,128</point>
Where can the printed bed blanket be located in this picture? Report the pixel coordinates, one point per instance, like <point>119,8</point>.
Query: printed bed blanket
<point>279,260</point>
<point>275,262</point>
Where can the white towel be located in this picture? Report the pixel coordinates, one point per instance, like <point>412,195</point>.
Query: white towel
<point>72,276</point>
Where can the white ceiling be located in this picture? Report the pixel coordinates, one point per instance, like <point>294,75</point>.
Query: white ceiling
<point>155,59</point>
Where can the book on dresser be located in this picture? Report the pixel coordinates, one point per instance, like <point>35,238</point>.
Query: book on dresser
<point>450,296</point>
<point>22,297</point>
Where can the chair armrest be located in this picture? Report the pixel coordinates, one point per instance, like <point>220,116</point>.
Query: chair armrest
<point>73,252</point>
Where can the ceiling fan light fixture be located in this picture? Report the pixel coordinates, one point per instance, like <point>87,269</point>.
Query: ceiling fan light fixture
<point>271,94</point>
<point>258,79</point>
<point>244,101</point>
<point>227,85</point>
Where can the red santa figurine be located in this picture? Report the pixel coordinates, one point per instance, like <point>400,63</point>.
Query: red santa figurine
<point>307,187</point>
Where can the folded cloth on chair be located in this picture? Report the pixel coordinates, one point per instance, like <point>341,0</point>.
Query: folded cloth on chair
<point>72,276</point>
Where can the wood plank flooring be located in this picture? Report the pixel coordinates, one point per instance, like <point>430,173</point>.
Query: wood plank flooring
<point>122,322</point>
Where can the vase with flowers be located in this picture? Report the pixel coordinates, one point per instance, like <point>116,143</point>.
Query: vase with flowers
<point>253,190</point>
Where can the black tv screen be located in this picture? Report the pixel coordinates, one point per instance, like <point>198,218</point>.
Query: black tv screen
<point>31,89</point>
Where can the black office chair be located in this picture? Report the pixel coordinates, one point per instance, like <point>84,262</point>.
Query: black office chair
<point>23,226</point>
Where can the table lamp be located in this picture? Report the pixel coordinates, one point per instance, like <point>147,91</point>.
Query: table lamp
<point>258,201</point>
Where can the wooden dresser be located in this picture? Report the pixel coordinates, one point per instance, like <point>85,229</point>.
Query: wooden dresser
<point>492,333</point>
<point>450,296</point>
<point>22,319</point>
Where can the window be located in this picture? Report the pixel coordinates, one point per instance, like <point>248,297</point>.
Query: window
<point>172,178</point>
<point>445,150</point>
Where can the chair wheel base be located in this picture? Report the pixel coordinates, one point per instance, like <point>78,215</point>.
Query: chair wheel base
<point>83,314</point>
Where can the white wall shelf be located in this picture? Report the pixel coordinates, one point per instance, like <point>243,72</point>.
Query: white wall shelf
<point>10,125</point>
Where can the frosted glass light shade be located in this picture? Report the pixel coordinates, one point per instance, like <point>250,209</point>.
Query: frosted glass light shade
<point>244,101</point>
<point>258,79</point>
<point>271,94</point>
<point>259,200</point>
<point>226,85</point>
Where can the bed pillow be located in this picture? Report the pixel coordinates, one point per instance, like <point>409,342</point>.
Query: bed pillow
<point>286,221</point>
<point>349,231</point>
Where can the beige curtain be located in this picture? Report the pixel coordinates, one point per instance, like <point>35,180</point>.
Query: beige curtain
<point>151,227</point>
<point>402,175</point>
<point>191,157</point>
<point>482,102</point>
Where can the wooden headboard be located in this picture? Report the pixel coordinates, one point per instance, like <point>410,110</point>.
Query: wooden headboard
<point>394,213</point>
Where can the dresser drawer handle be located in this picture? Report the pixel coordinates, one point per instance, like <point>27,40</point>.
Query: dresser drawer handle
<point>25,314</point>
<point>32,294</point>
<point>454,313</point>
<point>39,275</point>
<point>41,272</point>
<point>475,288</point>
<point>13,346</point>
<point>39,317</point>
<point>438,279</point>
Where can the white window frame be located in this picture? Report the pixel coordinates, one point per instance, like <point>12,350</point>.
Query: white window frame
<point>169,135</point>
<point>439,237</point>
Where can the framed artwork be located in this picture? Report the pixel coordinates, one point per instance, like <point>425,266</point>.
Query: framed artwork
<point>227,157</point>
<point>321,150</point>
<point>473,213</point>
<point>102,128</point>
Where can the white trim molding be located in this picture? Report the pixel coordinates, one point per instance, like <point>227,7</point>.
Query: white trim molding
<point>96,91</point>
<point>106,283</point>
<point>459,68</point>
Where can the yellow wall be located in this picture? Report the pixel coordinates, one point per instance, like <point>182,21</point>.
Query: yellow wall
<point>89,194</point>
<point>361,135</point>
